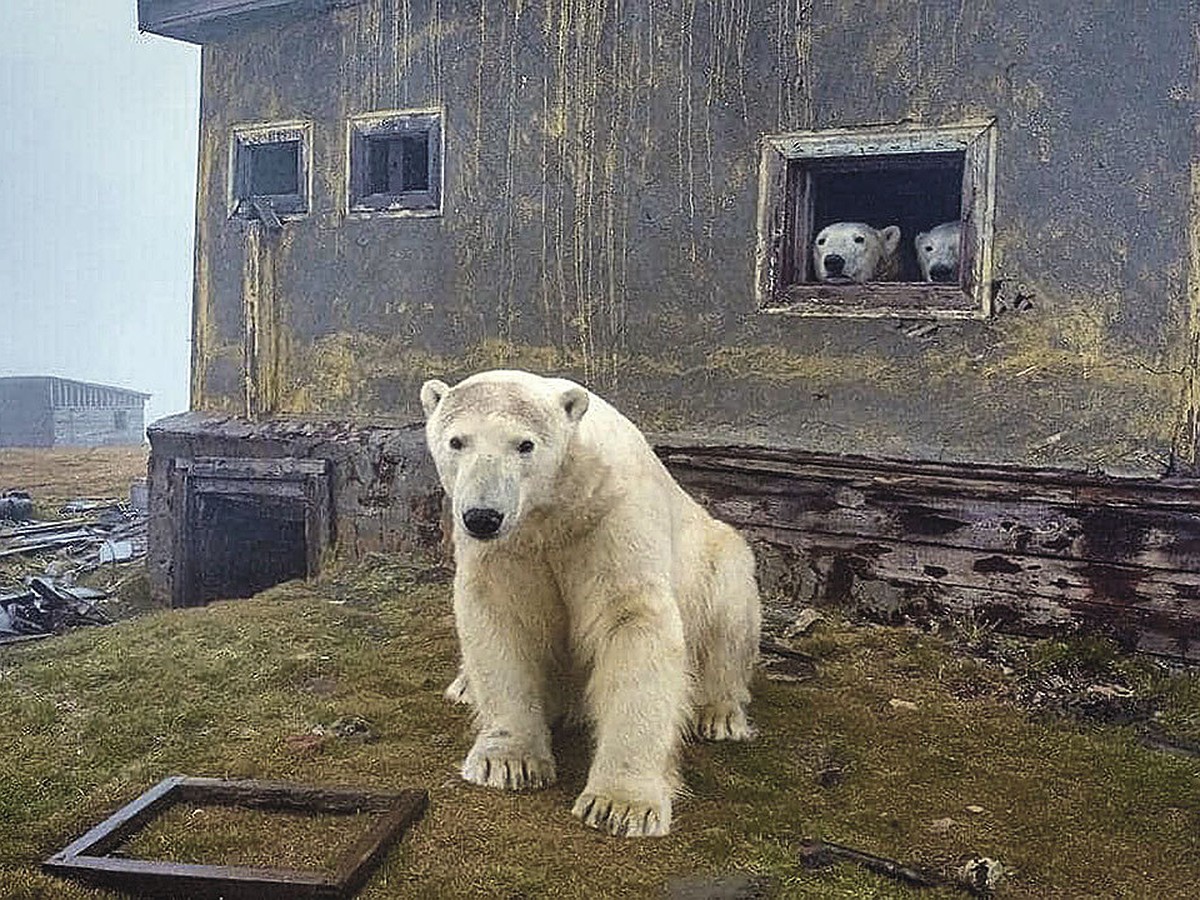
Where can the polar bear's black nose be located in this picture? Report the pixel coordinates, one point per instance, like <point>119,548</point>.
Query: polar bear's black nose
<point>482,522</point>
<point>834,264</point>
<point>940,272</point>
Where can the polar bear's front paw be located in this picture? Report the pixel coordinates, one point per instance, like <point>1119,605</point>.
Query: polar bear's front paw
<point>503,763</point>
<point>722,722</point>
<point>623,815</point>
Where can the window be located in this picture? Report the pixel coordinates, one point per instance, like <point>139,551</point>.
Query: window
<point>121,420</point>
<point>911,178</point>
<point>270,167</point>
<point>396,163</point>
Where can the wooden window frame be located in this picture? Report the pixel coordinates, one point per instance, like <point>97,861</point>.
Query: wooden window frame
<point>361,130</point>
<point>785,223</point>
<point>242,141</point>
<point>88,859</point>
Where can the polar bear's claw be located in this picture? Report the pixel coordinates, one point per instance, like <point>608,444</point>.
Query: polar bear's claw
<point>508,769</point>
<point>625,818</point>
<point>722,722</point>
<point>459,691</point>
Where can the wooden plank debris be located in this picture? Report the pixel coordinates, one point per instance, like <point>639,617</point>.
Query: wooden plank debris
<point>86,859</point>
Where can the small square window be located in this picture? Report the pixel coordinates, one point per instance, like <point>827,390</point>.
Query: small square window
<point>270,164</point>
<point>396,163</point>
<point>913,179</point>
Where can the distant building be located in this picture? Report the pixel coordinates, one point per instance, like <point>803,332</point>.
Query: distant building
<point>44,411</point>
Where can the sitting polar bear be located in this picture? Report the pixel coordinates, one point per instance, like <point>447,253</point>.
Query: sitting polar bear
<point>586,580</point>
<point>854,251</point>
<point>937,251</point>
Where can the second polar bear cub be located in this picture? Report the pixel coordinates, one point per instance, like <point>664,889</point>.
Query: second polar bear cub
<point>854,251</point>
<point>938,251</point>
<point>586,580</point>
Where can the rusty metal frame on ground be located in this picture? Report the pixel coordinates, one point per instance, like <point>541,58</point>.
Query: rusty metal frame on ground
<point>87,858</point>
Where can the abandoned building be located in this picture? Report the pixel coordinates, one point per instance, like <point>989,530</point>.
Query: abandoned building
<point>44,411</point>
<point>628,194</point>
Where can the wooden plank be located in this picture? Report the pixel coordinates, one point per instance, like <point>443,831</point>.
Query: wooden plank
<point>196,882</point>
<point>279,795</point>
<point>1163,538</point>
<point>370,850</point>
<point>126,821</point>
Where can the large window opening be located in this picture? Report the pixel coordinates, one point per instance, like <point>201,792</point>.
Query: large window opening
<point>396,163</point>
<point>842,210</point>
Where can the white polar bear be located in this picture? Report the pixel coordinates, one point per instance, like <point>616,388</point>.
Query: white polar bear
<point>854,251</point>
<point>586,580</point>
<point>937,252</point>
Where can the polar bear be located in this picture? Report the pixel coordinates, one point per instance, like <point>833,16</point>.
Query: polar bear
<point>854,251</point>
<point>586,581</point>
<point>937,252</point>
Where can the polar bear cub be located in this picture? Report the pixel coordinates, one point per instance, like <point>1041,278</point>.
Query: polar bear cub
<point>854,251</point>
<point>937,252</point>
<point>586,580</point>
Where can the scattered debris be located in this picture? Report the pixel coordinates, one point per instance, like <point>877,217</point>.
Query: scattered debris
<point>975,809</point>
<point>782,663</point>
<point>941,826</point>
<point>979,875</point>
<point>908,705</point>
<point>804,622</point>
<point>16,506</point>
<point>48,607</point>
<point>719,887</point>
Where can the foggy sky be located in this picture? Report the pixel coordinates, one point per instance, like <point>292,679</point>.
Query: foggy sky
<point>97,197</point>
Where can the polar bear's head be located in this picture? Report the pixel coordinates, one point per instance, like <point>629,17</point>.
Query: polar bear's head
<point>498,440</point>
<point>854,251</point>
<point>937,252</point>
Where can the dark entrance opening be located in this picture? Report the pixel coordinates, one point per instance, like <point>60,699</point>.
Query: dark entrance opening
<point>246,544</point>
<point>250,524</point>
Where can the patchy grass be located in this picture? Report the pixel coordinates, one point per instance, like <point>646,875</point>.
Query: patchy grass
<point>52,476</point>
<point>91,719</point>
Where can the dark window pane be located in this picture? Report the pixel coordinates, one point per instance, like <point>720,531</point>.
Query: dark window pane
<point>416,161</point>
<point>274,168</point>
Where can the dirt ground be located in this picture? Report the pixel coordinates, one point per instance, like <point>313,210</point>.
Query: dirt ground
<point>53,476</point>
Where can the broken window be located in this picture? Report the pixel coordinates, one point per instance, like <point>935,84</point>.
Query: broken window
<point>841,210</point>
<point>270,167</point>
<point>396,163</point>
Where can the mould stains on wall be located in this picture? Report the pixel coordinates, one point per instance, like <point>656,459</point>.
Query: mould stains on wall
<point>600,205</point>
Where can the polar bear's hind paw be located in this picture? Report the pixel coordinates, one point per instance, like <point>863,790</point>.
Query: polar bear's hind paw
<point>722,722</point>
<point>507,767</point>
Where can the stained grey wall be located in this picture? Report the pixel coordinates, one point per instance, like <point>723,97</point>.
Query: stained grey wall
<point>600,202</point>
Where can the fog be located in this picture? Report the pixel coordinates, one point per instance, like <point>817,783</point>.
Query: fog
<point>97,194</point>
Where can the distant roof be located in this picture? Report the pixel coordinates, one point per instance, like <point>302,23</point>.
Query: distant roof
<point>200,21</point>
<point>14,380</point>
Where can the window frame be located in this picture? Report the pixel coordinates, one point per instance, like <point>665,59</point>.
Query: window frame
<point>361,130</point>
<point>785,223</point>
<point>242,141</point>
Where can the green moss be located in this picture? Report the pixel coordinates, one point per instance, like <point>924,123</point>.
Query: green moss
<point>91,719</point>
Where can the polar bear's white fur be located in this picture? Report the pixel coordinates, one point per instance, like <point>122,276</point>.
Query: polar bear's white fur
<point>586,580</point>
<point>854,251</point>
<point>937,252</point>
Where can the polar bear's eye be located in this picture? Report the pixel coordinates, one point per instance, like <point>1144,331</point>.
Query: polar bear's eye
<point>820,242</point>
<point>525,448</point>
<point>456,443</point>
<point>929,248</point>
<point>858,239</point>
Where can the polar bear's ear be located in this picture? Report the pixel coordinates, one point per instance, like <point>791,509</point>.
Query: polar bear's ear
<point>432,393</point>
<point>575,403</point>
<point>921,237</point>
<point>891,238</point>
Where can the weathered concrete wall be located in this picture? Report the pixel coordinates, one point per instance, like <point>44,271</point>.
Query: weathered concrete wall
<point>600,199</point>
<point>383,485</point>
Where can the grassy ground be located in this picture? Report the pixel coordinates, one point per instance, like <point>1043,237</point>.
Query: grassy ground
<point>54,476</point>
<point>263,688</point>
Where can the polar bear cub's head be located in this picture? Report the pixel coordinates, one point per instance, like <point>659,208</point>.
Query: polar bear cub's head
<point>937,252</point>
<point>854,251</point>
<point>498,440</point>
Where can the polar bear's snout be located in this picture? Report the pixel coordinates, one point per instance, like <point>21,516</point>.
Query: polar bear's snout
<point>482,522</point>
<point>834,265</point>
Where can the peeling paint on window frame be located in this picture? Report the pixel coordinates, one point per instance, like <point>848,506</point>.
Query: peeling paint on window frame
<point>784,229</point>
